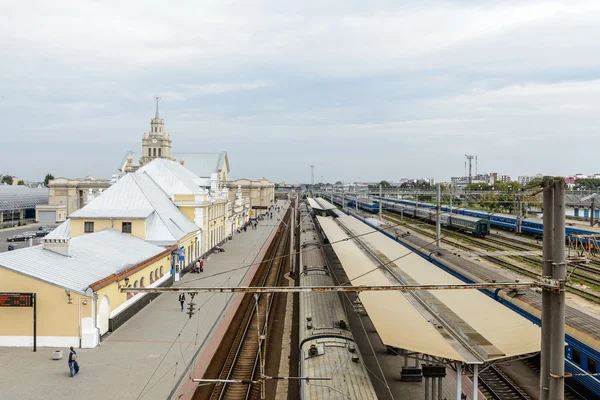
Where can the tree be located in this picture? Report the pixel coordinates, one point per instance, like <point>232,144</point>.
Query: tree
<point>587,184</point>
<point>339,183</point>
<point>7,179</point>
<point>48,178</point>
<point>21,182</point>
<point>385,184</point>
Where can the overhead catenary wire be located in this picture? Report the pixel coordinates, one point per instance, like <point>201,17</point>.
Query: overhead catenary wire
<point>282,256</point>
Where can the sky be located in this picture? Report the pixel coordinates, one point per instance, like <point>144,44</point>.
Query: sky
<point>361,90</point>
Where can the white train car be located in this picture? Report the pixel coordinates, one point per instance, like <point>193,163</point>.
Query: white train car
<point>327,347</point>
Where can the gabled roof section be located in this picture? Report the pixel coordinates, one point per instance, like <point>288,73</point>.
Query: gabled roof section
<point>204,164</point>
<point>139,196</point>
<point>91,258</point>
<point>165,212</point>
<point>172,177</point>
<point>63,231</point>
<point>122,200</point>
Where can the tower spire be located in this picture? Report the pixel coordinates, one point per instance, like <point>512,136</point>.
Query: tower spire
<point>157,99</point>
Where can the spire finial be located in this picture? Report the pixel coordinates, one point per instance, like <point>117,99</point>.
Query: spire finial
<point>157,99</point>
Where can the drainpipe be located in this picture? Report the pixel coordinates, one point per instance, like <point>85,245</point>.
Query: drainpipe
<point>95,316</point>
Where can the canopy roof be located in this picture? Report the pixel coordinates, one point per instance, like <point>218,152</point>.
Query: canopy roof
<point>456,325</point>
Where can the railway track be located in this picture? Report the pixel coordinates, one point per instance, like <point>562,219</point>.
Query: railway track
<point>244,359</point>
<point>591,276</point>
<point>494,384</point>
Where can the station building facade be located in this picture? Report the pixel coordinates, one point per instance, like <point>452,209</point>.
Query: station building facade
<point>261,194</point>
<point>76,282</point>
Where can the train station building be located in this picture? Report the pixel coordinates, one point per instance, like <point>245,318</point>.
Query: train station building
<point>76,282</point>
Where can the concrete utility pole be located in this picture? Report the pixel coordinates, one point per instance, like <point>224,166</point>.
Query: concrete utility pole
<point>438,228</point>
<point>470,160</point>
<point>380,202</point>
<point>312,177</point>
<point>548,241</point>
<point>559,273</point>
<point>592,208</point>
<point>292,222</point>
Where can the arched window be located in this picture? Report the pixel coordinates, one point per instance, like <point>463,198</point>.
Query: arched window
<point>154,152</point>
<point>136,284</point>
<point>142,282</point>
<point>159,152</point>
<point>156,276</point>
<point>161,271</point>
<point>151,277</point>
<point>149,152</point>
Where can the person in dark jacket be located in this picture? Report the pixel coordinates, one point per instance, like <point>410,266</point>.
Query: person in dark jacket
<point>73,366</point>
<point>182,300</point>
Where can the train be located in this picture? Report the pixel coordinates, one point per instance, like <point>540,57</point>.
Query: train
<point>326,342</point>
<point>479,227</point>
<point>497,220</point>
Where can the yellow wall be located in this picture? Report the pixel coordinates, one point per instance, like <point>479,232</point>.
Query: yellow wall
<point>138,226</point>
<point>55,317</point>
<point>185,197</point>
<point>189,212</point>
<point>116,298</point>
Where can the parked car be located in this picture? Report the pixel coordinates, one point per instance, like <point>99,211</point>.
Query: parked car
<point>43,232</point>
<point>19,237</point>
<point>30,234</point>
<point>14,246</point>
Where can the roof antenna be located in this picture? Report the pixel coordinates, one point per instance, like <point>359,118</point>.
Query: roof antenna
<point>157,99</point>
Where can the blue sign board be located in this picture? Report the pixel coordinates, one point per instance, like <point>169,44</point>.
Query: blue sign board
<point>181,257</point>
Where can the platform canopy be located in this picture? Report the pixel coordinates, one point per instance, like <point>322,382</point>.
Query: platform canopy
<point>325,205</point>
<point>313,204</point>
<point>463,325</point>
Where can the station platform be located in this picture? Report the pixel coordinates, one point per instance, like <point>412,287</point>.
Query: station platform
<point>384,367</point>
<point>152,355</point>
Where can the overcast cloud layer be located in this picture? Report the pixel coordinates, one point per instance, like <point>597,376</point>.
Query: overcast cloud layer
<point>374,90</point>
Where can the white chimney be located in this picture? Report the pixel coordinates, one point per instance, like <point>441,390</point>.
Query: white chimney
<point>59,246</point>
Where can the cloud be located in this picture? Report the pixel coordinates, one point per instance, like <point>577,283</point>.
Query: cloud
<point>369,89</point>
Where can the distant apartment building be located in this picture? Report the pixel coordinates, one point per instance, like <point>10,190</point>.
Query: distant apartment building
<point>525,180</point>
<point>504,179</point>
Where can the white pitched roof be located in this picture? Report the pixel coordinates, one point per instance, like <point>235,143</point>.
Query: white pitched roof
<point>201,164</point>
<point>63,231</point>
<point>92,258</point>
<point>139,196</point>
<point>172,177</point>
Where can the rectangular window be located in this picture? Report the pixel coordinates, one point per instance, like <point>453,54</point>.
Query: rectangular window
<point>88,227</point>
<point>592,366</point>
<point>576,356</point>
<point>126,227</point>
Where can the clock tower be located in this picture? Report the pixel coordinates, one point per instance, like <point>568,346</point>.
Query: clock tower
<point>157,143</point>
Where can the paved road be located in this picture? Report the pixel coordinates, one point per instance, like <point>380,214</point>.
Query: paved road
<point>7,232</point>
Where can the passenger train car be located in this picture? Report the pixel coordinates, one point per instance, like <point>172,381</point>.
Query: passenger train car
<point>498,220</point>
<point>479,227</point>
<point>327,347</point>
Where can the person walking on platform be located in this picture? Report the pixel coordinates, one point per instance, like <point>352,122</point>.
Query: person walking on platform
<point>182,300</point>
<point>73,366</point>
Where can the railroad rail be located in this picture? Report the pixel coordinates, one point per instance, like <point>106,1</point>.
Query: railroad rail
<point>460,243</point>
<point>494,384</point>
<point>244,360</point>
